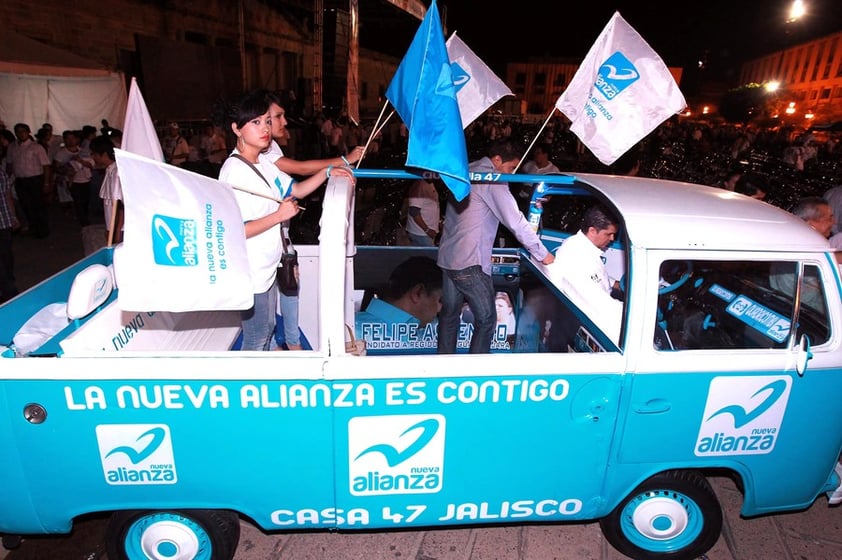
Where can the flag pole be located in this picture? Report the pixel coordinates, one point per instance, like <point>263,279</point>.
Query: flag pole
<point>538,135</point>
<point>261,195</point>
<point>375,131</point>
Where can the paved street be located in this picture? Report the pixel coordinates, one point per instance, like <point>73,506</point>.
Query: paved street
<point>814,534</point>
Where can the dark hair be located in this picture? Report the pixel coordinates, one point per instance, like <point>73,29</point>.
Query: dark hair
<point>750,185</point>
<point>410,273</point>
<point>242,109</point>
<point>102,145</point>
<point>545,147</point>
<point>23,126</point>
<point>7,134</point>
<point>597,217</point>
<point>505,149</point>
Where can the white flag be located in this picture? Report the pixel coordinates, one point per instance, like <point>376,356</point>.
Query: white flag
<point>621,92</point>
<point>477,87</point>
<point>139,135</point>
<point>185,244</point>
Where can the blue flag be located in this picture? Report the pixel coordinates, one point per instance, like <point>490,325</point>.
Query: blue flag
<point>423,94</point>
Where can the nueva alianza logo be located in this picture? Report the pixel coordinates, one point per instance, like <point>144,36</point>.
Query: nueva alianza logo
<point>174,241</point>
<point>402,454</point>
<point>136,454</point>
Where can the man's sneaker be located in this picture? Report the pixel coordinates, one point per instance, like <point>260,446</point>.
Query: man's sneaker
<point>835,497</point>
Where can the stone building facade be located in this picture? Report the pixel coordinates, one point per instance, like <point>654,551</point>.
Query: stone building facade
<point>186,53</point>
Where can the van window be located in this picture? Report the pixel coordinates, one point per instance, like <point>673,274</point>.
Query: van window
<point>737,304</point>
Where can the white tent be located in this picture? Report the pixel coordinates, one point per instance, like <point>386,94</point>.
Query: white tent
<point>39,84</point>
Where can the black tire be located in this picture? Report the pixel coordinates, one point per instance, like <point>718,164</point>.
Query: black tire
<point>158,534</point>
<point>673,515</point>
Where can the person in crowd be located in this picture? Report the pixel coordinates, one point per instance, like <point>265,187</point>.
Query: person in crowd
<point>8,224</point>
<point>89,132</point>
<point>74,165</point>
<point>175,147</point>
<point>213,147</point>
<point>579,270</point>
<point>412,297</point>
<point>289,166</point>
<point>29,163</point>
<point>53,141</point>
<point>833,196</point>
<point>752,185</point>
<point>423,213</point>
<point>111,192</point>
<point>467,240</point>
<point>732,177</point>
<point>817,213</point>
<point>249,119</point>
<point>540,163</point>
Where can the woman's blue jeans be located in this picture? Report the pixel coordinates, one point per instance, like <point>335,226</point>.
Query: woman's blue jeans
<point>259,322</point>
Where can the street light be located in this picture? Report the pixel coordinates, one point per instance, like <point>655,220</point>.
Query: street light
<point>772,87</point>
<point>796,11</point>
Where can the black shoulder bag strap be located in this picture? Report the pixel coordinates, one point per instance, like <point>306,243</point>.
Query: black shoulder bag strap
<point>259,174</point>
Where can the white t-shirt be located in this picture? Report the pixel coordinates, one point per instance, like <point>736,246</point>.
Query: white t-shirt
<point>264,249</point>
<point>428,203</point>
<point>531,168</point>
<point>580,273</point>
<point>110,192</point>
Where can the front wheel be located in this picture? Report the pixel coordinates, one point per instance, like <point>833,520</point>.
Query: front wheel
<point>673,515</point>
<point>172,535</point>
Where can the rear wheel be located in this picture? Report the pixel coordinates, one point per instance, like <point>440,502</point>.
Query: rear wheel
<point>172,535</point>
<point>671,516</point>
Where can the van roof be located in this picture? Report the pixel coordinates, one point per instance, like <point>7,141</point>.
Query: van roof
<point>661,214</point>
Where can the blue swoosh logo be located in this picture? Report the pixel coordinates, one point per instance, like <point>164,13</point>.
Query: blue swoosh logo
<point>394,457</point>
<point>460,77</point>
<point>136,456</point>
<point>164,232</point>
<point>613,74</point>
<point>444,85</point>
<point>743,417</point>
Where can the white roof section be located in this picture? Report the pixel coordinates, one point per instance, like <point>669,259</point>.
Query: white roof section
<point>662,214</point>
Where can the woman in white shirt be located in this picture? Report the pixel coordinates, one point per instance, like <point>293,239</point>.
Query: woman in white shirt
<point>249,119</point>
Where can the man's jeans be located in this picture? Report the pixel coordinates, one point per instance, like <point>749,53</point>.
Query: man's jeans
<point>476,287</point>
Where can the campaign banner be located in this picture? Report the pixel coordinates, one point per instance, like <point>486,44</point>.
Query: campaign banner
<point>621,92</point>
<point>185,245</point>
<point>395,333</point>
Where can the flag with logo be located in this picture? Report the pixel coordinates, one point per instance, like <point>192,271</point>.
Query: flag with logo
<point>621,92</point>
<point>185,244</point>
<point>139,134</point>
<point>424,96</point>
<point>477,87</point>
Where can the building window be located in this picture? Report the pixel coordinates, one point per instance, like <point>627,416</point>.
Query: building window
<point>520,79</point>
<point>825,93</point>
<point>560,80</point>
<point>196,38</point>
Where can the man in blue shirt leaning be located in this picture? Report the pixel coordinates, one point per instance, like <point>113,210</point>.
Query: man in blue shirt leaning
<point>470,227</point>
<point>398,318</point>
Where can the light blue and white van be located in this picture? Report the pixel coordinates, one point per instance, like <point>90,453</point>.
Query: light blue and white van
<point>728,360</point>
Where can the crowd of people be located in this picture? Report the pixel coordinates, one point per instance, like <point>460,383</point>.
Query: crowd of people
<point>254,142</point>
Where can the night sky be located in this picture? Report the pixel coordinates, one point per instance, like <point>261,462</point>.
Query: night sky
<point>723,33</point>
